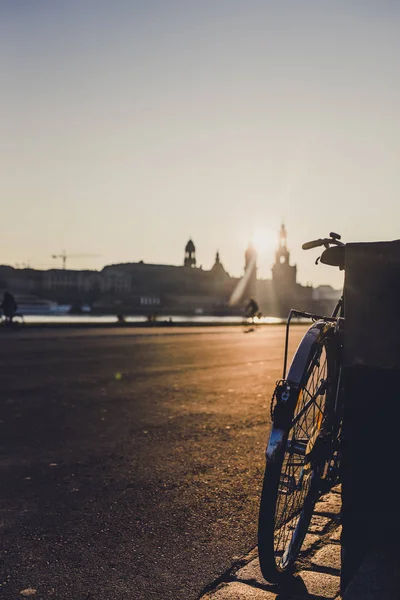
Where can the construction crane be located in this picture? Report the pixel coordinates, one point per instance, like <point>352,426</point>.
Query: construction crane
<point>63,255</point>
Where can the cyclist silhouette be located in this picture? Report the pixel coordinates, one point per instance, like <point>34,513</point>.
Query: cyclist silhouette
<point>9,306</point>
<point>252,309</point>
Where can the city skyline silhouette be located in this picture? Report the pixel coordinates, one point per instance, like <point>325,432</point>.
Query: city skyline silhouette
<point>128,128</point>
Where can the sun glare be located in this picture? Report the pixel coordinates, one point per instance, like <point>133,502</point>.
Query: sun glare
<point>264,240</point>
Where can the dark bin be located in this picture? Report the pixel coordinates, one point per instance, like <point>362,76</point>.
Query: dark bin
<point>371,424</point>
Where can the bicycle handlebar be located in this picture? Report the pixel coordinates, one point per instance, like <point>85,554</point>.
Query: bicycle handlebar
<point>322,242</point>
<point>313,244</point>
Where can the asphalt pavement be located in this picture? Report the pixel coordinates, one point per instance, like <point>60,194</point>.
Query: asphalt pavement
<point>131,460</point>
<point>317,572</point>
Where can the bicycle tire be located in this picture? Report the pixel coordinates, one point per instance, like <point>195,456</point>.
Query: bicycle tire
<point>297,453</point>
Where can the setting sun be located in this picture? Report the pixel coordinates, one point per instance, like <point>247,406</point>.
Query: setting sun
<point>264,240</point>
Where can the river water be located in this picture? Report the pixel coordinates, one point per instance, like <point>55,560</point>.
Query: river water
<point>108,319</point>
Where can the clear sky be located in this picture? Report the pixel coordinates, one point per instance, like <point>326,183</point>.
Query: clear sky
<point>128,127</point>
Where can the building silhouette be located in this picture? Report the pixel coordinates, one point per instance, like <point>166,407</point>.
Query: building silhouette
<point>283,273</point>
<point>190,255</point>
<point>142,288</point>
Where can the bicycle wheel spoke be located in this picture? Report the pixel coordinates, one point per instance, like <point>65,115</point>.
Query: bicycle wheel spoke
<point>308,404</point>
<point>296,473</point>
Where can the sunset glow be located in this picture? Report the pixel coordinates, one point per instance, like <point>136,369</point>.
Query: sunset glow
<point>264,240</point>
<point>145,123</point>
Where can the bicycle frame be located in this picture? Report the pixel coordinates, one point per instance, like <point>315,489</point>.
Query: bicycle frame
<point>314,317</point>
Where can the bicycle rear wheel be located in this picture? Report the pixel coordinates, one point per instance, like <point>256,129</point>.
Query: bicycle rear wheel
<point>297,452</point>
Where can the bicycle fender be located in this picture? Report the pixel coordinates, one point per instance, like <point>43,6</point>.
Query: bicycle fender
<point>277,439</point>
<point>303,351</point>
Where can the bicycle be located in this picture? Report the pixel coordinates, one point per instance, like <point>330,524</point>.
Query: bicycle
<point>303,451</point>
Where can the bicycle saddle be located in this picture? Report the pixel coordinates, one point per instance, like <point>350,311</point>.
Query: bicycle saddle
<point>334,256</point>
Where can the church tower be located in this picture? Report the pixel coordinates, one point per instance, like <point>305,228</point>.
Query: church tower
<point>283,274</point>
<point>190,255</point>
<point>282,254</point>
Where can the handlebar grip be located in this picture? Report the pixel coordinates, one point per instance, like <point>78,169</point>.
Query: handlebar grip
<point>313,244</point>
